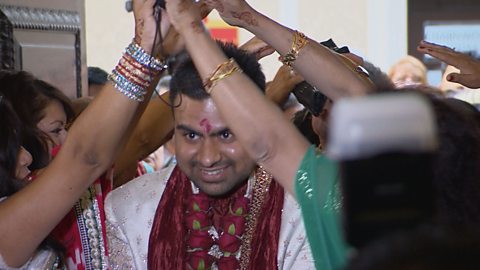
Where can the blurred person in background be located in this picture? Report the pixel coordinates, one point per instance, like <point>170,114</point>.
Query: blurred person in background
<point>408,71</point>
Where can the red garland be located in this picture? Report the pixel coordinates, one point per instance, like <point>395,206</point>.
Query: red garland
<point>199,242</point>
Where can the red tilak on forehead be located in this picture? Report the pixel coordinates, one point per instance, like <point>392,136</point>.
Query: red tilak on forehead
<point>206,125</point>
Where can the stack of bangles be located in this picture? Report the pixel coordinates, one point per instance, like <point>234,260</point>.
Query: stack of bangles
<point>299,41</point>
<point>135,71</point>
<point>222,71</point>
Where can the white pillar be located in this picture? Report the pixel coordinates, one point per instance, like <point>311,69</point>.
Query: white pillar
<point>387,32</point>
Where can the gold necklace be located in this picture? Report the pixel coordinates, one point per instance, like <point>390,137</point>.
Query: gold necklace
<point>261,184</point>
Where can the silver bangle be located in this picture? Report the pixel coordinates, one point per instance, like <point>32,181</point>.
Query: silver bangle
<point>144,58</point>
<point>126,87</point>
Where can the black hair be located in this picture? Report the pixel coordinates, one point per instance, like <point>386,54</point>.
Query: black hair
<point>186,80</point>
<point>424,248</point>
<point>379,78</point>
<point>456,174</point>
<point>456,170</point>
<point>10,143</point>
<point>97,75</point>
<point>29,97</point>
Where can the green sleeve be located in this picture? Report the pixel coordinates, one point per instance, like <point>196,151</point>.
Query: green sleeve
<point>318,194</point>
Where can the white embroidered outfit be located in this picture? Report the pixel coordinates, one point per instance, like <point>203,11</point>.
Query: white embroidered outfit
<point>130,210</point>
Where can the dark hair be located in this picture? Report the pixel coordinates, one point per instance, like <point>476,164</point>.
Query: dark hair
<point>425,248</point>
<point>456,174</point>
<point>10,143</point>
<point>29,97</point>
<point>377,76</point>
<point>97,75</point>
<point>186,80</point>
<point>456,166</point>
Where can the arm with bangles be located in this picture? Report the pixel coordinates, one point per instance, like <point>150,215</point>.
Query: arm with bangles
<point>154,122</point>
<point>285,79</point>
<point>28,216</point>
<point>319,66</point>
<point>153,129</point>
<point>155,126</point>
<point>256,121</point>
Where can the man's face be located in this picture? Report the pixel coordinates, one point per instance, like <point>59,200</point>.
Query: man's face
<point>207,152</point>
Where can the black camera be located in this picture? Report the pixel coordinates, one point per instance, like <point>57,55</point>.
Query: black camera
<point>386,193</point>
<point>385,154</point>
<point>312,99</point>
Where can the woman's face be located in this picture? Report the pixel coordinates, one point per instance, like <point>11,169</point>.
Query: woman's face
<point>53,123</point>
<point>23,161</point>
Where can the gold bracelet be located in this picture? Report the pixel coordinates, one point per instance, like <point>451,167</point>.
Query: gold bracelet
<point>299,41</point>
<point>222,71</point>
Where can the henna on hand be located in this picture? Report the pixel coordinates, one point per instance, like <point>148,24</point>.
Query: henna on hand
<point>216,4</point>
<point>204,10</point>
<point>246,17</point>
<point>139,31</point>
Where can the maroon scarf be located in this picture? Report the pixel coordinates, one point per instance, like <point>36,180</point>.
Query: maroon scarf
<point>167,243</point>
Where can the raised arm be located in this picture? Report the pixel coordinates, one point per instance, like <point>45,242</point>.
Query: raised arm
<point>469,67</point>
<point>319,66</point>
<point>29,215</point>
<point>257,123</point>
<point>285,79</point>
<point>258,47</point>
<point>153,129</point>
<point>155,125</point>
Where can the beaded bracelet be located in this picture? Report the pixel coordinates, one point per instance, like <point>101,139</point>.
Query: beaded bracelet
<point>299,41</point>
<point>126,87</point>
<point>135,71</point>
<point>142,57</point>
<point>222,71</point>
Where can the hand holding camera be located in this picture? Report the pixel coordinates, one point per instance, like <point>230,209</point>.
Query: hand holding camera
<point>312,99</point>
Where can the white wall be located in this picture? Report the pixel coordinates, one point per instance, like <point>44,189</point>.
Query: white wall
<point>386,32</point>
<point>375,29</point>
<point>343,20</point>
<point>109,30</point>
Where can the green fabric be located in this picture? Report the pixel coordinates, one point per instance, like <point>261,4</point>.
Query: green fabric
<point>318,194</point>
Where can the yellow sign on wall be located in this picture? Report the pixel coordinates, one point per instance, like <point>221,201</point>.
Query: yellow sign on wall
<point>222,31</point>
